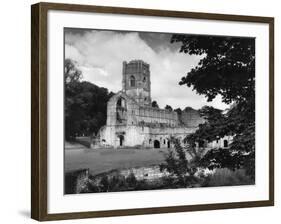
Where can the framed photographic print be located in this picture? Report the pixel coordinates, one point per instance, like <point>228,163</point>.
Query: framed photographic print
<point>139,111</point>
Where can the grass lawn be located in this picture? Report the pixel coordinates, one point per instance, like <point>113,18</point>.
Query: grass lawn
<point>102,160</point>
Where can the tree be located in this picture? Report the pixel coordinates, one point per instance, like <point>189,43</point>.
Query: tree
<point>188,109</point>
<point>168,107</point>
<point>85,104</point>
<point>72,77</point>
<point>209,130</point>
<point>71,73</point>
<point>154,104</point>
<point>178,110</point>
<point>227,68</point>
<point>182,170</point>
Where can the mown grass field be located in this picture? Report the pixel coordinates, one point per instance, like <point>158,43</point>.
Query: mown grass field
<point>102,160</point>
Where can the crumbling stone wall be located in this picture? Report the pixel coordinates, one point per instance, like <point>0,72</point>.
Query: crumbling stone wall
<point>145,173</point>
<point>191,118</point>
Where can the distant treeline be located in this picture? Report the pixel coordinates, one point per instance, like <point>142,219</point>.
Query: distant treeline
<point>85,104</point>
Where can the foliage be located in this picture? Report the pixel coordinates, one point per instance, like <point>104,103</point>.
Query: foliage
<point>227,68</point>
<point>154,104</point>
<point>188,109</point>
<point>241,152</point>
<point>71,73</point>
<point>227,177</point>
<point>177,164</point>
<point>168,107</point>
<point>131,180</point>
<point>222,158</point>
<point>85,104</point>
<point>209,130</point>
<point>178,110</point>
<point>118,182</point>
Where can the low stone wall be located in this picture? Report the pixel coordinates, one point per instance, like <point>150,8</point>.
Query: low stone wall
<point>141,173</point>
<point>145,173</point>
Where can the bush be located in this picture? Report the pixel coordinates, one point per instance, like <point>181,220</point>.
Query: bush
<point>181,170</point>
<point>112,183</point>
<point>131,180</point>
<point>227,177</point>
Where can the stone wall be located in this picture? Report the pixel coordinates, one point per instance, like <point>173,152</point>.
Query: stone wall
<point>191,118</point>
<point>140,72</point>
<point>145,173</point>
<point>141,136</point>
<point>130,125</point>
<point>150,115</point>
<point>141,173</point>
<point>132,121</point>
<point>221,142</point>
<point>138,115</point>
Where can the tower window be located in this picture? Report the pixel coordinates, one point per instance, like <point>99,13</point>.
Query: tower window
<point>144,79</point>
<point>132,81</point>
<point>225,143</point>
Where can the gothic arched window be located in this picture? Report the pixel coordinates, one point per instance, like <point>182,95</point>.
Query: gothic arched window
<point>121,111</point>
<point>121,103</point>
<point>132,81</point>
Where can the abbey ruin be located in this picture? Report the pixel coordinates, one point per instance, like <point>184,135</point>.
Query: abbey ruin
<point>133,122</point>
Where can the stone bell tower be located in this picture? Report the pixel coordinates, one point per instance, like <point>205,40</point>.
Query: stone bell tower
<point>136,81</point>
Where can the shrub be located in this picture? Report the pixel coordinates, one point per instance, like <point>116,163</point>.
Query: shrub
<point>227,177</point>
<point>113,183</point>
<point>131,180</point>
<point>182,170</point>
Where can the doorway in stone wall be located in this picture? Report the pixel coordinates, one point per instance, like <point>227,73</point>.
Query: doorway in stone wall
<point>121,140</point>
<point>156,144</point>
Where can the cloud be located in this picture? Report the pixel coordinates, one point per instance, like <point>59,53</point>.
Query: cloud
<point>99,55</point>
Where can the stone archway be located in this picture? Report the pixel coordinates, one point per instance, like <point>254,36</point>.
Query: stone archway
<point>156,144</point>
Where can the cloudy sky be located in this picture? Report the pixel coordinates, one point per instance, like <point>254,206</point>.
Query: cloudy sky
<point>99,55</point>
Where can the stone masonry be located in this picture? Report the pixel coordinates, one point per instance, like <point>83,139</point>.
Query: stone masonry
<point>132,121</point>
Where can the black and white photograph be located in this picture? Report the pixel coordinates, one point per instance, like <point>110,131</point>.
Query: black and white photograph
<point>154,111</point>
